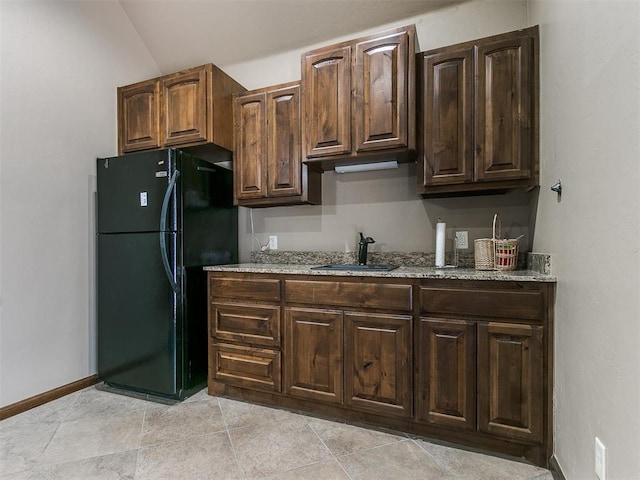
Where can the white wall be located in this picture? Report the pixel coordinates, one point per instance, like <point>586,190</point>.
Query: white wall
<point>385,205</point>
<point>590,138</point>
<point>60,65</point>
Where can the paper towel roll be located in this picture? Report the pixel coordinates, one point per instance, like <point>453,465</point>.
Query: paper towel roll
<point>440,238</point>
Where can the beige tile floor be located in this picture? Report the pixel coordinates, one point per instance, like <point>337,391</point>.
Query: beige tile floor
<point>94,434</point>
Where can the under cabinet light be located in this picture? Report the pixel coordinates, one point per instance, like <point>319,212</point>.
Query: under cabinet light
<point>365,167</point>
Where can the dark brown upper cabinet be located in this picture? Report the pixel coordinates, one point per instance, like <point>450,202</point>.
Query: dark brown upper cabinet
<point>359,100</point>
<point>183,109</point>
<point>268,160</point>
<point>139,117</point>
<point>478,115</point>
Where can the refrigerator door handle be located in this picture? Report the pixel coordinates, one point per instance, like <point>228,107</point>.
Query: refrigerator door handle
<point>163,227</point>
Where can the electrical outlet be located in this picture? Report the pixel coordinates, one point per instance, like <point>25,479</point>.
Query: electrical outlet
<point>273,242</point>
<point>600,460</point>
<point>462,238</point>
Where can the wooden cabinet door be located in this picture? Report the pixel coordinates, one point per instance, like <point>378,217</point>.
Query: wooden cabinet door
<point>250,169</point>
<point>380,102</point>
<point>447,136</point>
<point>326,77</point>
<point>184,107</point>
<point>139,117</point>
<point>504,108</point>
<point>510,380</point>
<point>378,367</point>
<point>446,356</point>
<point>313,354</point>
<point>283,133</point>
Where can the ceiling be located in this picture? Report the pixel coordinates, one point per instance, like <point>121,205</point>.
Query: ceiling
<point>182,33</point>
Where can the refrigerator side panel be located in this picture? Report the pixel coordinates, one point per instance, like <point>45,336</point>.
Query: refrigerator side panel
<point>209,218</point>
<point>209,223</point>
<point>194,344</point>
<point>139,315</point>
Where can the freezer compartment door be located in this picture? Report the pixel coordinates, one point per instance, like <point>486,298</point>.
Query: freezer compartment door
<point>139,314</point>
<point>131,190</point>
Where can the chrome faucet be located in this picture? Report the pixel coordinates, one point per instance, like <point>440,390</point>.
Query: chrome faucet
<point>363,245</point>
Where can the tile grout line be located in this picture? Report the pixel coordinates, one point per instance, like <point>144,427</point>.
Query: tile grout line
<point>306,419</point>
<point>435,460</point>
<point>59,423</point>
<point>233,450</point>
<point>144,419</point>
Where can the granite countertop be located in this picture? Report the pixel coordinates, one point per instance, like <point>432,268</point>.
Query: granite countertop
<point>400,272</point>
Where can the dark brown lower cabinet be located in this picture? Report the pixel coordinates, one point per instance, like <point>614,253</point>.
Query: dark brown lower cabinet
<point>313,354</point>
<point>463,361</point>
<point>446,356</point>
<point>378,367</point>
<point>248,367</point>
<point>510,380</point>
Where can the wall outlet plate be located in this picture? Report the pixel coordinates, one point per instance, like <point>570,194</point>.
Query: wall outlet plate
<point>273,242</point>
<point>462,239</point>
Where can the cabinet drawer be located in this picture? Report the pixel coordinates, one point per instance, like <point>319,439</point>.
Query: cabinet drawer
<point>347,294</point>
<point>254,324</point>
<point>508,304</point>
<point>253,289</point>
<point>248,367</point>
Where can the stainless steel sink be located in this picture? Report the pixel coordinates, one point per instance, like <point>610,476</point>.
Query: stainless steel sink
<point>366,268</point>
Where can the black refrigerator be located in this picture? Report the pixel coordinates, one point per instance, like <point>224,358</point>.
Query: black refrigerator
<point>161,216</point>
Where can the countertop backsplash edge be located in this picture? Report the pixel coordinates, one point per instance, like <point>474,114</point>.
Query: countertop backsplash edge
<point>533,261</point>
<point>410,266</point>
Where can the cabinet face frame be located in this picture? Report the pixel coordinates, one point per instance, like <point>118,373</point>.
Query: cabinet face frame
<point>139,117</point>
<point>380,100</point>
